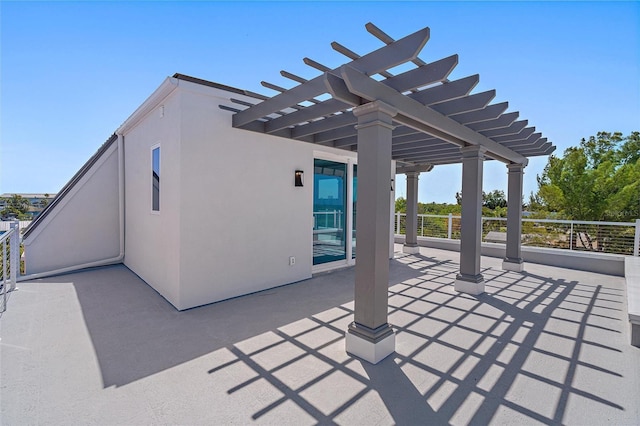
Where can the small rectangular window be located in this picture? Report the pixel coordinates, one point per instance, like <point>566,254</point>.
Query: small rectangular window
<point>155,179</point>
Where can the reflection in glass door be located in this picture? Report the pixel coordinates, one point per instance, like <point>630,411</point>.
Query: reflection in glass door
<point>329,211</point>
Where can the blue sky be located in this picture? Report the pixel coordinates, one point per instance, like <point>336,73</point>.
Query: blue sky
<point>72,72</point>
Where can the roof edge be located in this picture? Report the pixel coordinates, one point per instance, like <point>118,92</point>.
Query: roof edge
<point>165,89</point>
<point>215,85</point>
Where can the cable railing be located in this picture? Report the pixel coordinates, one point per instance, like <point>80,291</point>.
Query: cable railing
<point>328,219</point>
<point>602,237</point>
<point>9,262</point>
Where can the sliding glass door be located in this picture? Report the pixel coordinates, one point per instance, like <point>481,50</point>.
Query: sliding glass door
<point>329,211</point>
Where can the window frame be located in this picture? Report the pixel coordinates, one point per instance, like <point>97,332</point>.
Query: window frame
<point>153,190</point>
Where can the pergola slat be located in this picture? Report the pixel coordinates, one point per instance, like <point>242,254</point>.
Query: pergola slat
<point>399,133</point>
<point>326,124</point>
<point>385,38</point>
<point>497,123</point>
<point>309,113</point>
<point>336,134</point>
<point>428,120</point>
<point>401,82</point>
<point>543,148</point>
<point>513,129</point>
<point>427,74</point>
<point>353,55</point>
<point>489,112</point>
<point>446,91</point>
<point>293,77</point>
<point>316,65</point>
<point>466,104</point>
<point>523,134</point>
<point>384,58</point>
<point>537,143</point>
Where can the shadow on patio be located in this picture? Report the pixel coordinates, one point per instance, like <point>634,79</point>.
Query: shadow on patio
<point>531,349</point>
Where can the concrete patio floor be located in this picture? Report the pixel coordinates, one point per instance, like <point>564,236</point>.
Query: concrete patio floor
<point>548,346</point>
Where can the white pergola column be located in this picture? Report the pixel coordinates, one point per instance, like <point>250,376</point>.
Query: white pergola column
<point>470,280</point>
<point>369,336</point>
<point>411,224</point>
<point>513,254</point>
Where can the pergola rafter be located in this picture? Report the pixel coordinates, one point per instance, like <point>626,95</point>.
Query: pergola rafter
<point>433,112</point>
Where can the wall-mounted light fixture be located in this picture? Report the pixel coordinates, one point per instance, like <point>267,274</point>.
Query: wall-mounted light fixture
<point>391,184</point>
<point>299,178</point>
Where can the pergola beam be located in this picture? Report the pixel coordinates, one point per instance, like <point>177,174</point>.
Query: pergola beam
<point>423,148</point>
<point>412,138</point>
<point>411,112</point>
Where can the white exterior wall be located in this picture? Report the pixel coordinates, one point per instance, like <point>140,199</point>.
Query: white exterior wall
<point>230,215</point>
<point>152,240</point>
<point>243,217</point>
<point>84,226</point>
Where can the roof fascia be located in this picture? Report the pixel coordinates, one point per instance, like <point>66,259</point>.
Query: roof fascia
<point>165,89</point>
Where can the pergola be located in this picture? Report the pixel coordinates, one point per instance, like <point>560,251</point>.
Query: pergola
<point>420,119</point>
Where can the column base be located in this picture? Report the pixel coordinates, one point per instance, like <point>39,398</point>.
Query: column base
<point>516,265</point>
<point>470,284</point>
<point>411,249</point>
<point>370,345</point>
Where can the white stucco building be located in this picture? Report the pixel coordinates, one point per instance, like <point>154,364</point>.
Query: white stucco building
<point>229,219</point>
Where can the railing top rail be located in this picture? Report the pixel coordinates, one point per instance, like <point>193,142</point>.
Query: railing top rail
<point>6,235</point>
<point>444,216</point>
<point>580,222</point>
<point>566,221</point>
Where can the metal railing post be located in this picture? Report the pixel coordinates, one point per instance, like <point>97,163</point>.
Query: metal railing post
<point>398,223</point>
<point>571,237</point>
<point>450,227</point>
<point>636,240</point>
<point>4,276</point>
<point>14,263</point>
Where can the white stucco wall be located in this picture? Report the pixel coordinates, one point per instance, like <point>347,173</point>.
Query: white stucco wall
<point>230,215</point>
<point>152,240</point>
<point>84,226</point>
<point>243,217</point>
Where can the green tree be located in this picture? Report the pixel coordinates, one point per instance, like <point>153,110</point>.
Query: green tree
<point>597,180</point>
<point>494,199</point>
<point>401,205</point>
<point>16,206</point>
<point>490,200</point>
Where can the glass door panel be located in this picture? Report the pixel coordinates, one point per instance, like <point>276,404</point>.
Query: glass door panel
<point>329,209</point>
